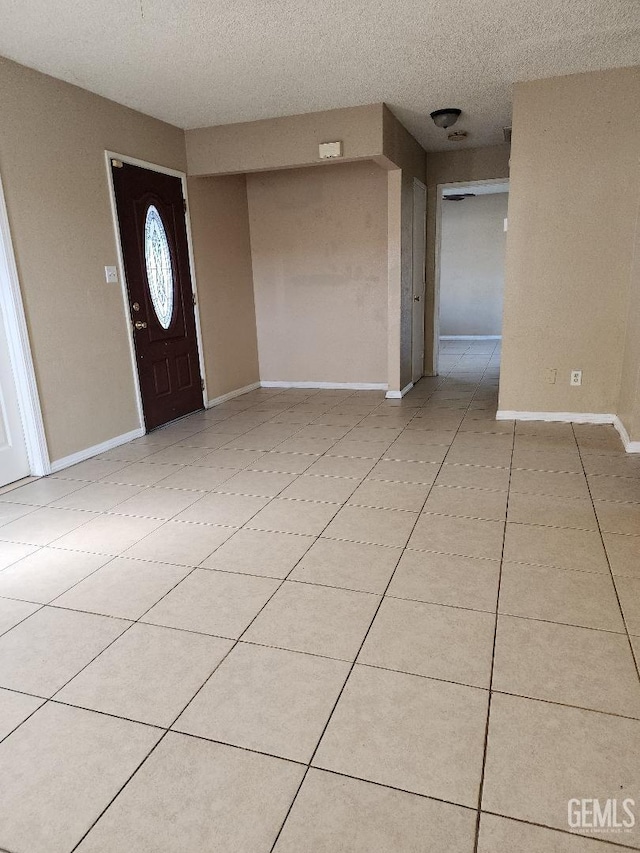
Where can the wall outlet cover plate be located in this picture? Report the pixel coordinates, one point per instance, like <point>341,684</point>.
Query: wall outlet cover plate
<point>111,275</point>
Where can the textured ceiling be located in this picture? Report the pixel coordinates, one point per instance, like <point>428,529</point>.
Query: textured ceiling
<point>201,62</point>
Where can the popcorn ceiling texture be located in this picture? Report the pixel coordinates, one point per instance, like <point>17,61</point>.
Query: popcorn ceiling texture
<point>209,63</point>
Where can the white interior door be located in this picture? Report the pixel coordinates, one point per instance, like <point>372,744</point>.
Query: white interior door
<point>419,249</point>
<point>14,462</point>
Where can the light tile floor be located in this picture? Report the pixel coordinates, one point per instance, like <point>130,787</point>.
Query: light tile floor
<point>321,621</point>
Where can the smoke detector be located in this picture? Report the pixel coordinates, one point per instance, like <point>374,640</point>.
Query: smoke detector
<point>457,136</point>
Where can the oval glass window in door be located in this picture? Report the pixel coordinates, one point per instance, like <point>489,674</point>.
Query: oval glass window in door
<point>157,258</point>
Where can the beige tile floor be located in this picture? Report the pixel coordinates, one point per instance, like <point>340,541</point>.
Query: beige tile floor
<point>321,621</point>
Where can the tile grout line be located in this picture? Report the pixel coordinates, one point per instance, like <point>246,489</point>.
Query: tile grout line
<point>493,655</point>
<point>164,734</point>
<point>112,557</point>
<point>141,617</point>
<point>326,725</point>
<point>419,409</point>
<point>635,659</point>
<point>132,622</point>
<point>566,832</point>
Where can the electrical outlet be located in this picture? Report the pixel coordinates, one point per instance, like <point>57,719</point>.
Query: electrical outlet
<point>111,275</point>
<point>550,375</point>
<point>576,377</point>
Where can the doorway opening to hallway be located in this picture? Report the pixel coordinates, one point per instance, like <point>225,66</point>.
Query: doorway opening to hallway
<point>470,247</point>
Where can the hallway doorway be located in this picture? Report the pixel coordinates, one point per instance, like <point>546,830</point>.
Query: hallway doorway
<point>471,239</point>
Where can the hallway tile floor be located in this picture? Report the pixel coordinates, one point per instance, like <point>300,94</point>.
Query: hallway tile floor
<point>323,621</point>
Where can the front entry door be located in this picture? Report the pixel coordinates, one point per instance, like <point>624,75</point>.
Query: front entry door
<point>153,234</point>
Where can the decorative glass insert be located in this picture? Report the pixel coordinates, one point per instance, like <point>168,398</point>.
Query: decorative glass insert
<point>157,258</point>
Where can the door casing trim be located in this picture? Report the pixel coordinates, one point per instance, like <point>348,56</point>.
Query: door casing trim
<point>153,167</point>
<point>418,184</point>
<point>20,350</point>
<point>398,395</point>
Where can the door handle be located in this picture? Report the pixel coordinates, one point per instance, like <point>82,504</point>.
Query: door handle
<point>139,324</point>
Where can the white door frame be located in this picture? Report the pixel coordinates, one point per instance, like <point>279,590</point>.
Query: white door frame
<point>418,184</point>
<point>436,287</point>
<point>20,350</point>
<point>113,155</point>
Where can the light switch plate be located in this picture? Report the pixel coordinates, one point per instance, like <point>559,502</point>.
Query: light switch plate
<point>111,275</point>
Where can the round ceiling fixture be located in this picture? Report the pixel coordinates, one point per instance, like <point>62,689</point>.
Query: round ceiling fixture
<point>446,117</point>
<point>458,196</point>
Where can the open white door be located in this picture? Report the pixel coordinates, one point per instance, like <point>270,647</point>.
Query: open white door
<point>14,462</point>
<point>419,249</point>
<point>23,446</point>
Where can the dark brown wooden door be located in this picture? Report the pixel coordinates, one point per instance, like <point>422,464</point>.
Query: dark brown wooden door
<point>151,218</point>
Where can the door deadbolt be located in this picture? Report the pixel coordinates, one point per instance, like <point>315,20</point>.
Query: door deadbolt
<point>136,306</point>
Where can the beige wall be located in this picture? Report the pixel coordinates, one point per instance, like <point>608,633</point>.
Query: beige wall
<point>572,209</point>
<point>629,402</point>
<point>472,265</point>
<point>368,133</point>
<point>319,249</point>
<point>444,167</point>
<point>222,253</point>
<point>283,143</point>
<point>52,142</point>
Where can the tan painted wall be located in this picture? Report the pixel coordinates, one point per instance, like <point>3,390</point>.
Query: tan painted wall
<point>572,209</point>
<point>368,133</point>
<point>52,142</point>
<point>472,265</point>
<point>444,167</point>
<point>284,143</point>
<point>629,402</point>
<point>222,253</point>
<point>319,249</point>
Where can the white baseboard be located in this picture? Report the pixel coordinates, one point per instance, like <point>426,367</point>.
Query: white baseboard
<point>397,395</point>
<point>231,394</point>
<point>629,446</point>
<point>346,386</point>
<point>88,452</point>
<point>470,337</point>
<point>574,418</point>
<point>556,417</point>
